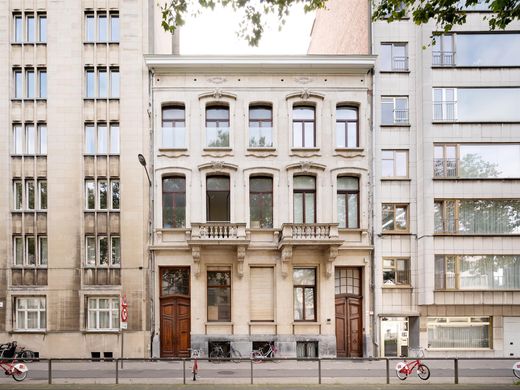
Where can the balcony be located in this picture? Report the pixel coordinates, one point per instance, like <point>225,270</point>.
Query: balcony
<point>443,58</point>
<point>311,234</point>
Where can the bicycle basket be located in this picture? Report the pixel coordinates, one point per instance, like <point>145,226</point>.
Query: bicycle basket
<point>416,352</point>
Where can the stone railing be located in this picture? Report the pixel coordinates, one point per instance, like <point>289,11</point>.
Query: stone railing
<point>309,231</point>
<point>218,231</point>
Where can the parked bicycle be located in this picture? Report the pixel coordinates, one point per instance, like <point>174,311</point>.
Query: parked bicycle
<point>405,368</point>
<point>218,355</point>
<point>9,363</point>
<point>268,351</point>
<point>516,369</point>
<point>25,355</point>
<point>195,354</point>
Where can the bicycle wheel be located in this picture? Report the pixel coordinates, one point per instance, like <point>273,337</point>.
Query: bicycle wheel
<point>516,369</point>
<point>400,371</point>
<point>19,375</point>
<point>27,356</point>
<point>257,356</point>
<point>215,357</point>
<point>423,372</point>
<point>236,356</point>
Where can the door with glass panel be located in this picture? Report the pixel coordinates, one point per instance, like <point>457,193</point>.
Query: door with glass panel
<point>349,319</point>
<point>175,311</point>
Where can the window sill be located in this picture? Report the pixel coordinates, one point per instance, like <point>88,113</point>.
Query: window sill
<point>395,71</point>
<point>217,149</point>
<point>395,125</point>
<point>29,99</point>
<point>407,287</point>
<point>344,149</point>
<point>305,149</point>
<point>28,155</point>
<point>396,179</point>
<point>101,43</point>
<point>29,267</point>
<point>105,331</point>
<point>31,331</point>
<point>260,149</point>
<point>100,155</point>
<point>217,323</point>
<point>100,98</point>
<point>101,210</point>
<point>101,267</point>
<point>262,323</point>
<point>396,234</point>
<point>28,43</point>
<point>303,322</point>
<point>173,149</point>
<point>352,230</point>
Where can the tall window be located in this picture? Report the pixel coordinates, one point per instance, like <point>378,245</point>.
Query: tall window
<point>443,53</point>
<point>102,251</point>
<point>102,83</point>
<point>261,201</point>
<point>174,202</point>
<point>30,251</point>
<point>477,216</point>
<point>347,127</point>
<point>18,84</point>
<point>477,272</point>
<point>30,313</point>
<point>35,28</point>
<point>396,271</point>
<point>102,139</point>
<point>219,296</point>
<point>348,202</point>
<point>217,199</point>
<point>445,104</point>
<point>102,194</point>
<point>173,127</point>
<point>260,126</point>
<point>35,196</point>
<point>217,126</point>
<point>459,332</point>
<point>31,142</point>
<point>102,28</point>
<point>304,127</point>
<point>18,28</point>
<point>304,294</point>
<point>103,313</point>
<point>304,199</point>
<point>394,163</point>
<point>395,218</point>
<point>35,86</point>
<point>394,57</point>
<point>394,110</point>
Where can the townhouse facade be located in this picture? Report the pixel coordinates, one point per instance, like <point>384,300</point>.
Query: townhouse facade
<point>446,158</point>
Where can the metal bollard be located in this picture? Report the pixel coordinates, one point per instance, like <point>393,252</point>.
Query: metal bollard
<point>50,371</point>
<point>251,371</point>
<point>117,373</point>
<point>387,371</point>
<point>456,370</point>
<point>319,371</point>
<point>183,371</point>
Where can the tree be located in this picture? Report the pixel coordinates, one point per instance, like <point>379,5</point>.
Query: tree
<point>447,13</point>
<point>251,27</point>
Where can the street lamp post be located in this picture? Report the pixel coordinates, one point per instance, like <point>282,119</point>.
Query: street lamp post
<point>142,161</point>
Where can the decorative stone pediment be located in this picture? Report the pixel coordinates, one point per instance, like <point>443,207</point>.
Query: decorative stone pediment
<point>217,94</point>
<point>305,94</point>
<point>306,166</point>
<point>218,166</point>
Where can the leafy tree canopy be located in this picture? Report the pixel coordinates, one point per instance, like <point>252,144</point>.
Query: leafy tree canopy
<point>252,25</point>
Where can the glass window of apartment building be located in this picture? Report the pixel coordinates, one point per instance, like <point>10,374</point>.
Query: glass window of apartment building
<point>304,127</point>
<point>348,202</point>
<point>42,28</point>
<point>102,251</point>
<point>394,163</point>
<point>219,296</point>
<point>30,251</point>
<point>497,105</point>
<point>102,83</point>
<point>394,57</point>
<point>261,202</point>
<point>477,272</point>
<point>477,161</point>
<point>304,199</point>
<point>260,126</point>
<point>30,29</point>
<point>173,127</point>
<point>101,27</point>
<point>304,294</point>
<point>174,202</point>
<point>395,218</point>
<point>103,313</point>
<point>217,199</point>
<point>396,272</point>
<point>394,110</point>
<point>18,84</point>
<point>459,332</point>
<point>477,50</point>
<point>477,216</point>
<point>102,194</point>
<point>217,126</point>
<point>18,28</point>
<point>31,142</point>
<point>347,281</point>
<point>347,127</point>
<point>30,313</point>
<point>102,139</point>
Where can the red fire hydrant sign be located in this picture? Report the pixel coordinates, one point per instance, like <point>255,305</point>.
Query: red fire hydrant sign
<point>124,312</point>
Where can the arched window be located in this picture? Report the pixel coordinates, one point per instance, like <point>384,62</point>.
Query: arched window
<point>348,202</point>
<point>174,202</point>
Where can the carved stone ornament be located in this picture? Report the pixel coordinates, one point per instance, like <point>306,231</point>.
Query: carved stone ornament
<point>217,80</point>
<point>217,165</point>
<point>303,80</point>
<point>333,253</point>
<point>241,255</point>
<point>286,259</point>
<point>305,166</point>
<point>305,94</point>
<point>195,253</point>
<point>217,94</point>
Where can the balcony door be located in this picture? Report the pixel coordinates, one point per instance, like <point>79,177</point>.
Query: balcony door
<point>217,199</point>
<point>304,199</point>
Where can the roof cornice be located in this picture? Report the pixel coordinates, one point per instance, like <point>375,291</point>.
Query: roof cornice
<point>267,64</point>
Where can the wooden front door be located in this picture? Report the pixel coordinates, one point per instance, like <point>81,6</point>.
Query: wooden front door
<point>175,312</point>
<point>349,319</point>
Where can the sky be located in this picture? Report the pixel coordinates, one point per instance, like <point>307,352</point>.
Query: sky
<point>214,32</point>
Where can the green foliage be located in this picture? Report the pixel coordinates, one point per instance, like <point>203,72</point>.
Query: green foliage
<point>251,27</point>
<point>446,13</point>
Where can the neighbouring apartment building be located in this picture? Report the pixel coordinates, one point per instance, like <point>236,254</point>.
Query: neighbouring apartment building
<point>73,197</point>
<point>261,204</point>
<point>447,184</point>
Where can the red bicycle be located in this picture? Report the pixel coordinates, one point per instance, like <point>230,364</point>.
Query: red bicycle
<point>9,364</point>
<point>405,368</point>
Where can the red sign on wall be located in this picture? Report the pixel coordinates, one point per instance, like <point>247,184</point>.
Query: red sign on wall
<point>124,309</point>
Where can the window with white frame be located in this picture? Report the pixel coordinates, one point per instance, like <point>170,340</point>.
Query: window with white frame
<point>394,110</point>
<point>102,27</point>
<point>102,83</point>
<point>260,126</point>
<point>217,126</point>
<point>445,104</point>
<point>102,250</point>
<point>173,126</point>
<point>102,194</point>
<point>102,139</point>
<point>396,272</point>
<point>32,196</point>
<point>30,313</point>
<point>30,83</point>
<point>103,313</point>
<point>347,127</point>
<point>394,57</point>
<point>394,163</point>
<point>30,251</point>
<point>304,126</point>
<point>29,27</point>
<point>460,332</point>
